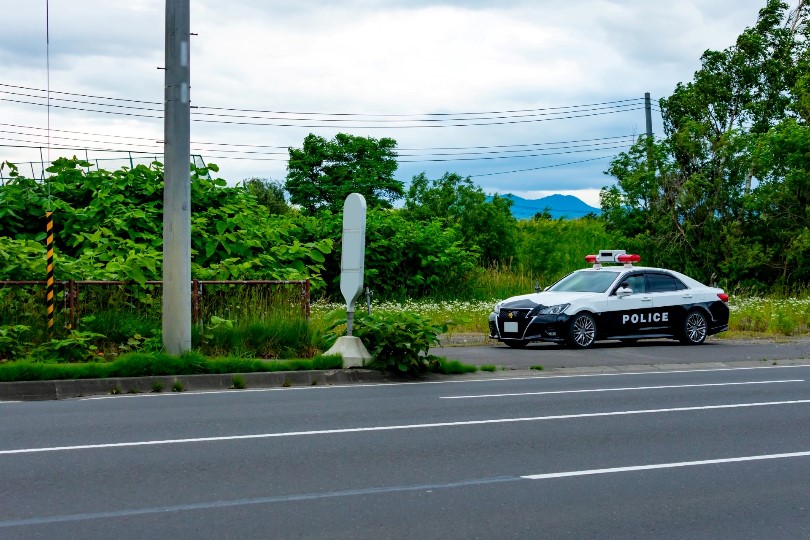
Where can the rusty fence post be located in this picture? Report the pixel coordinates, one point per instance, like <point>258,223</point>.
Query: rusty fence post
<point>73,295</point>
<point>196,292</point>
<point>305,299</point>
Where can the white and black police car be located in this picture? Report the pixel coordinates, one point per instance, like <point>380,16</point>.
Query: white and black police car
<point>625,303</point>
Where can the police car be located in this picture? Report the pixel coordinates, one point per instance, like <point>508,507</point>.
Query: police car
<point>623,302</point>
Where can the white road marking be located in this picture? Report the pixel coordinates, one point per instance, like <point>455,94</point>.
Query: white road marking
<point>618,389</point>
<point>377,491</point>
<point>327,386</point>
<point>664,465</point>
<point>399,427</point>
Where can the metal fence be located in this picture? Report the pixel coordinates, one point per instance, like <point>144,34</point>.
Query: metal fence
<point>21,302</point>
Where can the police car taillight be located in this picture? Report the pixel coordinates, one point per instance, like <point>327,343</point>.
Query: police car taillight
<point>723,297</point>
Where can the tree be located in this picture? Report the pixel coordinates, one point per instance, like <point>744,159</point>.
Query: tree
<point>323,173</point>
<point>268,193</point>
<point>486,223</point>
<point>696,199</point>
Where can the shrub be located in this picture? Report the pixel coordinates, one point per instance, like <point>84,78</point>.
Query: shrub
<point>397,341</point>
<point>11,343</point>
<point>76,347</point>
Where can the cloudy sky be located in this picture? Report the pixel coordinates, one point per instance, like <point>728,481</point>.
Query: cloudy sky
<point>529,97</point>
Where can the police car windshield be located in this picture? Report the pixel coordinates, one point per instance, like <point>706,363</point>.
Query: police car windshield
<point>586,281</point>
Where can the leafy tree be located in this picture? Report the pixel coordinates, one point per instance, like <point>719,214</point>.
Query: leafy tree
<point>696,199</point>
<point>268,193</point>
<point>323,173</point>
<point>485,223</point>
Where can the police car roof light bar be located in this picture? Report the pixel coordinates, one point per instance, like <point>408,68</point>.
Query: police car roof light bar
<point>613,256</point>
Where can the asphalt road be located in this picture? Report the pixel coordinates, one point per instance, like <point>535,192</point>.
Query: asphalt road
<point>613,353</point>
<point>686,454</point>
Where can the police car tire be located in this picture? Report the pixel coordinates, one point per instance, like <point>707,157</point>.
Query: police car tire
<point>695,327</point>
<point>516,343</point>
<point>581,331</point>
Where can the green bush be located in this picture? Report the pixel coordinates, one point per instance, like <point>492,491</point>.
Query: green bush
<point>75,347</point>
<point>398,342</point>
<point>11,341</point>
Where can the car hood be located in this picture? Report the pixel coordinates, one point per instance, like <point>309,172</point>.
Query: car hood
<point>545,298</point>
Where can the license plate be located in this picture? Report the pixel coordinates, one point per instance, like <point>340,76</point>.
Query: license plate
<point>510,327</point>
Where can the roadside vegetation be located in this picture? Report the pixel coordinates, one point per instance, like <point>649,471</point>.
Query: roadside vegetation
<point>723,196</point>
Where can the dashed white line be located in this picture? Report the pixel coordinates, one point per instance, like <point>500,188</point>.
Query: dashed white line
<point>589,472</point>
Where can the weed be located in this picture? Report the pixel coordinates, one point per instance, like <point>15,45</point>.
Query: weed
<point>452,367</point>
<point>115,390</point>
<point>314,382</point>
<point>238,382</point>
<point>177,386</point>
<point>538,367</point>
<point>286,383</point>
<point>157,386</point>
<point>488,367</point>
<point>134,390</point>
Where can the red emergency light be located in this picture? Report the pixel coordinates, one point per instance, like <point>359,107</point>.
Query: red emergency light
<point>628,259</point>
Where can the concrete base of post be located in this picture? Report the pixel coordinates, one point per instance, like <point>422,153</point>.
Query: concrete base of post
<point>352,350</point>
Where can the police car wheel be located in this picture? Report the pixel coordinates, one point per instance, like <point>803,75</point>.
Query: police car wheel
<point>694,328</point>
<point>582,331</point>
<point>516,343</point>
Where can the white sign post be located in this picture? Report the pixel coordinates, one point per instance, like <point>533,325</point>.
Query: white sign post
<point>351,278</point>
<point>353,254</point>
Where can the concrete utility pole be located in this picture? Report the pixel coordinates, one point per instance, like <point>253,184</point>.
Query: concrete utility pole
<point>648,113</point>
<point>177,182</point>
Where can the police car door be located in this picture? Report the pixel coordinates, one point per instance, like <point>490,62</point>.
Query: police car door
<point>628,315</point>
<point>671,299</point>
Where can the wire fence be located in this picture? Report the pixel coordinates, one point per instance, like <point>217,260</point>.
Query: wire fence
<point>24,302</point>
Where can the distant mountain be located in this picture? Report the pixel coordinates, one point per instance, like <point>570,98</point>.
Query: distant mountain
<point>559,206</point>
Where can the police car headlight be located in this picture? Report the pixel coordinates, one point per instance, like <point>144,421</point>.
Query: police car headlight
<point>553,310</point>
<point>498,307</point>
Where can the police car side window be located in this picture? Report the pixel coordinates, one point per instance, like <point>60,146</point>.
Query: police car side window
<point>664,283</point>
<point>634,282</point>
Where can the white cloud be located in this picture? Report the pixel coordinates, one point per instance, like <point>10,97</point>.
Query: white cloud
<point>372,56</point>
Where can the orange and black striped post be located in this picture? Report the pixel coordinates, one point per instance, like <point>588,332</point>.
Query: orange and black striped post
<point>49,268</point>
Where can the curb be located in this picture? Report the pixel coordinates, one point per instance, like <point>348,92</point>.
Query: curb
<point>75,388</point>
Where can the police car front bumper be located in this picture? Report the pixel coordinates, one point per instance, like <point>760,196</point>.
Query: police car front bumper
<point>521,328</point>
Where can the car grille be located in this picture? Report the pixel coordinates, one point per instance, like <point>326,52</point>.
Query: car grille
<point>512,323</point>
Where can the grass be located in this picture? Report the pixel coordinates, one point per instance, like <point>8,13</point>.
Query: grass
<point>157,364</point>
<point>753,316</point>
<point>453,367</point>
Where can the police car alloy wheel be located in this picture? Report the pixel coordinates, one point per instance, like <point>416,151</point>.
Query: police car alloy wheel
<point>582,331</point>
<point>694,332</point>
<point>614,300</point>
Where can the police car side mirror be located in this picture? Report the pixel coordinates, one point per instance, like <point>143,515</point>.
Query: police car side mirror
<point>621,292</point>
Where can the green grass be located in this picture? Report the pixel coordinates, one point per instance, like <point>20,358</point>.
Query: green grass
<point>488,367</point>
<point>453,367</point>
<point>157,364</point>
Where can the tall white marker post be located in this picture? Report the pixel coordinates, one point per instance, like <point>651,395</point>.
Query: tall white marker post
<point>351,278</point>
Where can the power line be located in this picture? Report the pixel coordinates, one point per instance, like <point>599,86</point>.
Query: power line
<point>387,125</point>
<point>617,103</point>
<point>514,146</point>
<point>543,167</point>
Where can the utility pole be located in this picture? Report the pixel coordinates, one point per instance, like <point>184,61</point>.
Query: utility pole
<point>648,113</point>
<point>177,182</point>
